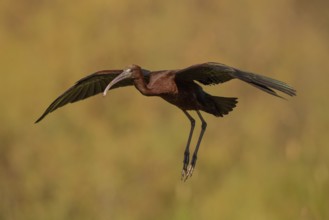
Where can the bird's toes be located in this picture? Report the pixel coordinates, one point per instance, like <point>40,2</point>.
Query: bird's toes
<point>184,170</point>
<point>190,170</point>
<point>187,173</point>
<point>184,173</point>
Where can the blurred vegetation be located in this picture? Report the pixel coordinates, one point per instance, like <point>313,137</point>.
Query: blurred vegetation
<point>120,157</point>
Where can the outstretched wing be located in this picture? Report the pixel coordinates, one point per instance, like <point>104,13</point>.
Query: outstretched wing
<point>214,73</point>
<point>86,87</point>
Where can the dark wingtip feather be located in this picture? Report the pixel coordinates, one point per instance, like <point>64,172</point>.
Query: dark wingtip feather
<point>51,108</point>
<point>265,83</point>
<point>38,119</point>
<point>41,117</point>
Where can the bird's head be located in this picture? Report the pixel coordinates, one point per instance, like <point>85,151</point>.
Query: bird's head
<point>131,72</point>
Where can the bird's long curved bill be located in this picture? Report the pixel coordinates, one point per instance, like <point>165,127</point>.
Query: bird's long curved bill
<point>124,75</point>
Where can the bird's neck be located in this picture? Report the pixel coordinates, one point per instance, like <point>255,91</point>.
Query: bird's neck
<point>141,84</point>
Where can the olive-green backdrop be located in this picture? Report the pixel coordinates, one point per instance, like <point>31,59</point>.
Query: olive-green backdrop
<point>120,157</point>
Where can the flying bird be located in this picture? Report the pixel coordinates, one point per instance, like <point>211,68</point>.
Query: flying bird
<point>180,87</point>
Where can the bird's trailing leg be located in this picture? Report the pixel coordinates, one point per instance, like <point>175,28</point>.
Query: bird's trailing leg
<point>195,153</point>
<point>187,149</point>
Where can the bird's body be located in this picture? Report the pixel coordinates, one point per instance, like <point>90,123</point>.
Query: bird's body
<point>177,87</point>
<point>190,96</point>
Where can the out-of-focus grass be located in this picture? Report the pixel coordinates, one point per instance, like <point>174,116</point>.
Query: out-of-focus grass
<point>120,157</point>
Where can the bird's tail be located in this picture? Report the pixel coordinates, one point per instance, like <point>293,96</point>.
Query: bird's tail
<point>221,105</point>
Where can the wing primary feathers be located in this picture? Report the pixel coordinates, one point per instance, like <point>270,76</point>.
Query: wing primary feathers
<point>98,88</point>
<point>75,96</point>
<point>68,98</point>
<point>86,87</point>
<point>82,95</point>
<point>265,83</point>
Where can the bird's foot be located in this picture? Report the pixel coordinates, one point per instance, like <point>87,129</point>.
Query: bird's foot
<point>186,173</point>
<point>185,165</point>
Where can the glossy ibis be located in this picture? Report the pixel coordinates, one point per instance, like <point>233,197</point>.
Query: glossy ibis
<point>179,87</point>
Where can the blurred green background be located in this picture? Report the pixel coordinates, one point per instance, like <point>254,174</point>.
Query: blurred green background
<point>120,157</point>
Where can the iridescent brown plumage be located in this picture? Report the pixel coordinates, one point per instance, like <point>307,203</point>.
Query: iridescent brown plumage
<point>177,87</point>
